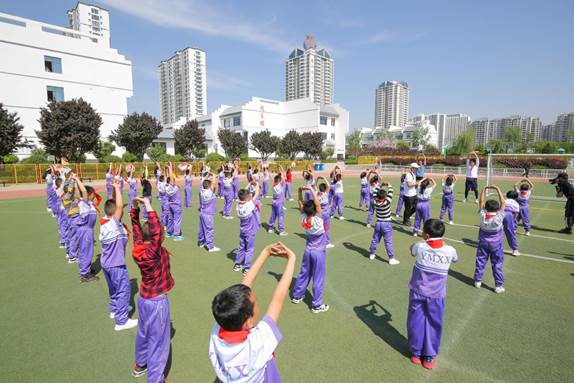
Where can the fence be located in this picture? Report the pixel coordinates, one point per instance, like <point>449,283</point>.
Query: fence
<point>34,173</point>
<point>483,171</point>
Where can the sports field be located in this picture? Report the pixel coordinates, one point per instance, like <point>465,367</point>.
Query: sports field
<point>55,329</point>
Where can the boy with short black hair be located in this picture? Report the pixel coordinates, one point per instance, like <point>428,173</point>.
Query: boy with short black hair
<point>524,188</point>
<point>511,210</point>
<point>248,226</point>
<point>427,296</point>
<point>383,227</point>
<point>278,204</point>
<point>240,350</point>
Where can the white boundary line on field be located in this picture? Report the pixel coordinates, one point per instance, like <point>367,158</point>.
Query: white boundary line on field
<point>531,235</point>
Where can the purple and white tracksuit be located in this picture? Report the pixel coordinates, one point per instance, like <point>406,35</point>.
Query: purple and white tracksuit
<point>248,226</point>
<point>313,264</point>
<point>85,223</point>
<point>524,213</point>
<point>511,210</point>
<point>114,238</point>
<point>373,190</point>
<point>235,185</point>
<point>208,209</point>
<point>331,191</point>
<point>422,213</point>
<point>265,189</point>
<point>188,196</point>
<point>121,182</point>
<point>308,195</point>
<point>109,186</point>
<point>427,296</point>
<point>447,201</point>
<point>173,198</point>
<point>229,194</point>
<point>337,202</point>
<point>257,202</point>
<point>383,228</point>
<point>163,200</point>
<point>132,192</point>
<point>490,246</point>
<point>220,178</point>
<point>365,195</point>
<point>325,214</point>
<point>401,200</point>
<point>277,207</point>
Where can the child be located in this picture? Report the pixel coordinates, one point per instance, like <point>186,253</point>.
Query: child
<point>427,295</point>
<point>278,203</point>
<point>207,211</point>
<point>511,211</point>
<point>265,182</point>
<point>71,206</point>
<point>422,213</point>
<point>524,189</point>
<point>174,206</point>
<point>448,197</point>
<point>187,187</point>
<point>109,178</point>
<point>313,264</point>
<point>401,200</point>
<point>85,222</point>
<point>220,178</point>
<point>162,196</point>
<point>308,178</point>
<point>323,197</point>
<point>133,188</point>
<point>239,349</point>
<point>383,227</point>
<point>337,203</point>
<point>251,188</point>
<point>364,195</point>
<point>235,173</point>
<point>118,177</point>
<point>490,239</point>
<point>49,180</point>
<point>114,238</point>
<point>289,184</point>
<point>61,215</point>
<point>471,182</point>
<point>373,190</point>
<point>146,190</point>
<point>228,194</point>
<point>422,162</point>
<point>248,226</point>
<point>154,323</point>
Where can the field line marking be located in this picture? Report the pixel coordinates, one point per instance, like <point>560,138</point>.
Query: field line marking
<point>531,235</point>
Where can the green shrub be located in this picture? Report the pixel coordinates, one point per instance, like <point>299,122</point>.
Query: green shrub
<point>110,158</point>
<point>214,157</point>
<point>38,156</point>
<point>129,157</point>
<point>10,159</point>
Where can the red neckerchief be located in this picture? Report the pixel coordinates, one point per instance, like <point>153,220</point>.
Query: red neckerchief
<point>379,200</point>
<point>106,220</point>
<point>319,194</point>
<point>524,193</point>
<point>307,222</point>
<point>373,184</point>
<point>233,337</point>
<point>435,243</point>
<point>490,215</point>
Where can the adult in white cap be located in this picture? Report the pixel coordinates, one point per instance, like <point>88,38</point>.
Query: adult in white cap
<point>410,198</point>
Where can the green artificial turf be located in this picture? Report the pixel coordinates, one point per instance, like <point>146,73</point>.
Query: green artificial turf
<point>55,329</point>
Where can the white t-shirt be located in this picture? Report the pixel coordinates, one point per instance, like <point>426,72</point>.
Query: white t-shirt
<point>410,191</point>
<point>425,196</point>
<point>472,171</point>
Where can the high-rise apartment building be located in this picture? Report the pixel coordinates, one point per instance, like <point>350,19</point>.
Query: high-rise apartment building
<point>563,129</point>
<point>182,87</point>
<point>309,73</point>
<point>487,130</point>
<point>90,20</point>
<point>448,126</point>
<point>391,104</point>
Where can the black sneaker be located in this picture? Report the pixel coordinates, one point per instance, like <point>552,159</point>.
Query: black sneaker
<point>138,371</point>
<point>88,278</point>
<point>245,271</point>
<point>566,230</point>
<point>237,267</point>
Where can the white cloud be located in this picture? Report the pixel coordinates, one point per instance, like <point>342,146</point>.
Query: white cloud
<point>206,17</point>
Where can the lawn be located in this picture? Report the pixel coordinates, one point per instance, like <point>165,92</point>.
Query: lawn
<point>55,329</point>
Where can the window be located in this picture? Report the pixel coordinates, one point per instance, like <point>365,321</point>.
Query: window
<point>323,136</point>
<point>333,136</point>
<point>332,121</point>
<point>227,123</point>
<point>52,64</point>
<point>55,93</point>
<point>323,120</point>
<point>236,120</point>
<point>95,11</point>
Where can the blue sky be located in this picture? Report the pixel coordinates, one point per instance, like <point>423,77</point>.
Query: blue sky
<point>489,58</point>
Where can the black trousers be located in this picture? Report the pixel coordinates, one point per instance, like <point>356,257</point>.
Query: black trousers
<point>569,212</point>
<point>410,206</point>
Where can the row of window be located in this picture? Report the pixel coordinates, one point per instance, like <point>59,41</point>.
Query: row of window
<point>236,121</point>
<point>324,120</point>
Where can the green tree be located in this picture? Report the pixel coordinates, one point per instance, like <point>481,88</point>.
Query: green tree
<point>512,137</point>
<point>496,146</point>
<point>463,143</point>
<point>10,132</point>
<point>190,140</point>
<point>312,145</point>
<point>327,153</point>
<point>10,159</point>
<point>232,143</point>
<point>290,145</point>
<point>403,144</point>
<point>103,150</point>
<point>214,157</point>
<point>136,133</point>
<point>420,137</point>
<point>155,152</point>
<point>354,143</point>
<point>264,143</point>
<point>68,129</point>
<point>386,139</point>
<point>129,157</point>
<point>546,147</point>
<point>38,156</point>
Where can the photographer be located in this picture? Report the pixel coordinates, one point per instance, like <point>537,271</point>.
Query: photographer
<point>565,189</point>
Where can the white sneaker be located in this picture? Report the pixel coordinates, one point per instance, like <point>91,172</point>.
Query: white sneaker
<point>415,234</point>
<point>296,300</point>
<point>499,289</point>
<point>477,284</point>
<point>330,246</point>
<point>464,200</point>
<point>527,233</point>
<point>113,315</point>
<point>341,219</point>
<point>131,323</point>
<point>320,309</point>
<point>270,231</point>
<point>284,208</point>
<point>369,225</point>
<point>290,199</point>
<point>393,261</point>
<point>397,215</point>
<point>283,234</point>
<point>476,201</point>
<point>214,249</point>
<point>372,256</point>
<point>516,253</point>
<point>450,223</point>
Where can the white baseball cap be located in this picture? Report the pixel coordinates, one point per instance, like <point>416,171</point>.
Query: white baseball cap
<point>415,165</point>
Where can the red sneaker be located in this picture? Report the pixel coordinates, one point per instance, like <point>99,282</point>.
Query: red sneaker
<point>429,362</point>
<point>415,359</point>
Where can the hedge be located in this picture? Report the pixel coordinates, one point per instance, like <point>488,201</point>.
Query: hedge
<point>509,162</point>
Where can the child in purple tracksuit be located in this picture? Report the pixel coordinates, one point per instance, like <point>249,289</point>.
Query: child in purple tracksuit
<point>265,182</point>
<point>109,178</point>
<point>220,178</point>
<point>288,184</point>
<point>173,197</point>
<point>228,194</point>
<point>427,295</point>
<point>314,257</point>
<point>401,200</point>
<point>278,203</point>
<point>337,203</point>
<point>187,188</point>
<point>323,197</point>
<point>524,189</point>
<point>235,173</point>
<point>114,238</point>
<point>373,190</point>
<point>248,226</point>
<point>49,180</point>
<point>383,227</point>
<point>490,239</point>
<point>162,197</point>
<point>511,211</point>
<point>310,182</point>
<point>85,222</point>
<point>426,188</point>
<point>208,209</point>
<point>448,198</point>
<point>364,194</point>
<point>133,188</point>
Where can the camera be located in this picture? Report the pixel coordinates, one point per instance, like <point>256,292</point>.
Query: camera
<point>561,176</point>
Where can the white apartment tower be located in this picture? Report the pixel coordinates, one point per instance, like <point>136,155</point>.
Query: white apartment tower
<point>90,20</point>
<point>448,126</point>
<point>309,73</point>
<point>391,104</point>
<point>563,129</point>
<point>183,86</point>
